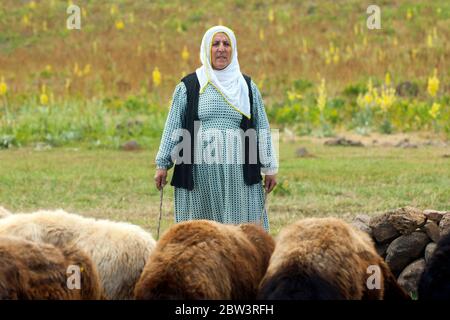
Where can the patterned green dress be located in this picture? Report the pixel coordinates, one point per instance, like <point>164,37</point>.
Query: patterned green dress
<point>220,192</point>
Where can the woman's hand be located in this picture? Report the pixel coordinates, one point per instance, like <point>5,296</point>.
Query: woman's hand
<point>160,178</point>
<point>270,181</point>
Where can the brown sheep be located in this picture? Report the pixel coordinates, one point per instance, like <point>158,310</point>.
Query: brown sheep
<point>204,259</point>
<point>38,271</point>
<point>119,250</point>
<point>326,259</point>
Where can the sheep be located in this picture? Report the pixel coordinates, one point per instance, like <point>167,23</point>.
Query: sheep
<point>204,259</point>
<point>30,270</point>
<point>119,250</point>
<point>326,259</point>
<point>434,283</point>
<point>3,212</point>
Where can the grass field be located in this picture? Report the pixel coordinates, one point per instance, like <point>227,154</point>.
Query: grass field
<point>338,181</point>
<point>321,71</point>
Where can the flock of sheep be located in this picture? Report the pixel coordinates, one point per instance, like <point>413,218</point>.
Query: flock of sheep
<point>312,259</point>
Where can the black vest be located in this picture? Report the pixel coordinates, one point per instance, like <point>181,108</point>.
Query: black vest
<point>183,172</point>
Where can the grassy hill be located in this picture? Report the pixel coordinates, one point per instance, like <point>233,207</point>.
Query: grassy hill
<point>65,86</point>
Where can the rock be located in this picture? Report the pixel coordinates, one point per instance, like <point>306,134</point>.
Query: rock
<point>405,249</point>
<point>429,250</point>
<point>405,144</point>
<point>432,231</point>
<point>444,225</point>
<point>343,142</point>
<point>406,219</point>
<point>382,248</point>
<point>363,227</point>
<point>434,215</point>
<point>41,146</point>
<point>364,218</point>
<point>410,276</point>
<point>407,89</point>
<point>382,229</point>
<point>362,223</point>
<point>131,146</point>
<point>303,153</point>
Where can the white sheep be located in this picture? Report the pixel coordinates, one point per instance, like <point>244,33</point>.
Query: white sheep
<point>4,212</point>
<point>119,250</point>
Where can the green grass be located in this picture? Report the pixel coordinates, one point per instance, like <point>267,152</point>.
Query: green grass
<point>118,185</point>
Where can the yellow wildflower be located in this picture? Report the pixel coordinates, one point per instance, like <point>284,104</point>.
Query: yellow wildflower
<point>336,56</point>
<point>3,87</point>
<point>68,83</point>
<point>185,54</point>
<point>271,15</point>
<point>120,25</point>
<point>43,97</point>
<point>429,41</point>
<point>32,5</point>
<point>114,10</point>
<point>387,99</point>
<point>434,111</point>
<point>261,34</point>
<point>409,14</point>
<point>387,79</point>
<point>332,48</point>
<point>322,98</point>
<point>156,77</point>
<point>87,69</point>
<point>433,84</point>
<point>26,20</point>
<point>292,95</point>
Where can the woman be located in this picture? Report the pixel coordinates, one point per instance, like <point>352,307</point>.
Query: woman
<point>223,101</point>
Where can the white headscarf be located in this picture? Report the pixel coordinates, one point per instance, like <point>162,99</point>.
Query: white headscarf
<point>229,81</point>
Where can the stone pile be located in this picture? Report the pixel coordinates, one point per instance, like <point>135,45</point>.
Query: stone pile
<point>406,238</point>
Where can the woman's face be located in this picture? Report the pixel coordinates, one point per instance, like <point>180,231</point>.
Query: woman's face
<point>220,51</point>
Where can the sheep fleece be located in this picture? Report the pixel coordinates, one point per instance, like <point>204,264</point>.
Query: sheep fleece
<point>118,249</point>
<point>325,259</point>
<point>204,259</point>
<point>30,270</point>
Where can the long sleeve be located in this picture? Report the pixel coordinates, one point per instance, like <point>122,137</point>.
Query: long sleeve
<point>268,156</point>
<point>173,122</point>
